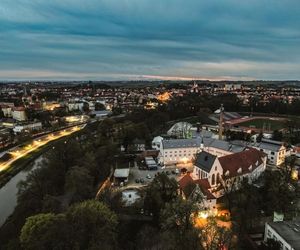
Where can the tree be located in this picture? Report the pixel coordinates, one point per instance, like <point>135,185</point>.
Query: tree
<point>85,107</point>
<point>79,182</point>
<point>177,225</point>
<point>44,231</point>
<point>178,215</point>
<point>271,244</point>
<point>278,195</point>
<point>259,137</point>
<point>92,224</point>
<point>85,225</point>
<point>277,135</point>
<point>214,237</point>
<point>143,241</point>
<point>161,191</point>
<point>99,106</point>
<point>112,199</point>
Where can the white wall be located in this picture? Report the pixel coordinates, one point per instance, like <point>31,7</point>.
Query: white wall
<point>270,233</point>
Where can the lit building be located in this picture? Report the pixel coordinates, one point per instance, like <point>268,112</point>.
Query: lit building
<point>287,233</point>
<point>275,151</point>
<point>174,151</point>
<point>28,127</point>
<point>229,170</point>
<point>19,114</point>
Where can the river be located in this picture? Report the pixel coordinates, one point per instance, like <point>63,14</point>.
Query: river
<point>8,193</point>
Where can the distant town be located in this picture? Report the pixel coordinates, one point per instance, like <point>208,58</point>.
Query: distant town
<point>166,157</point>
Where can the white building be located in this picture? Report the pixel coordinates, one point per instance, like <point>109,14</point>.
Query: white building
<point>232,86</point>
<point>28,127</point>
<point>156,142</point>
<point>275,151</point>
<point>287,233</point>
<point>19,114</point>
<point>74,106</point>
<point>7,111</point>
<point>176,151</point>
<point>229,170</point>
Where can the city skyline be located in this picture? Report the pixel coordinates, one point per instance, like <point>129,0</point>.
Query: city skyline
<point>149,40</point>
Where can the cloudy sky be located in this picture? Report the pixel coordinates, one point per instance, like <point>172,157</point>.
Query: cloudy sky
<point>149,39</point>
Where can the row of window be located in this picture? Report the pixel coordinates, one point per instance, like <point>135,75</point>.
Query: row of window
<point>270,236</point>
<point>180,155</point>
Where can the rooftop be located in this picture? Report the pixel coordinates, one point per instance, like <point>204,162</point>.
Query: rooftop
<point>289,231</point>
<point>181,143</point>
<point>205,161</point>
<point>121,173</point>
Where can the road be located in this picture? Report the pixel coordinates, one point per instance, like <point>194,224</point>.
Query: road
<point>18,152</point>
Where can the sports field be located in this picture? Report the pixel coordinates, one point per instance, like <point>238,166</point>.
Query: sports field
<point>267,124</point>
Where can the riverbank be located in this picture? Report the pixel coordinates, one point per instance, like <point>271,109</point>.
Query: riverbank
<point>21,163</point>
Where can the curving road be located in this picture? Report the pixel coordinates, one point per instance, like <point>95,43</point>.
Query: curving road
<point>18,152</point>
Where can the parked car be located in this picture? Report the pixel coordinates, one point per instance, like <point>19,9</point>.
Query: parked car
<point>149,176</point>
<point>176,171</point>
<point>173,172</point>
<point>142,180</point>
<point>137,180</point>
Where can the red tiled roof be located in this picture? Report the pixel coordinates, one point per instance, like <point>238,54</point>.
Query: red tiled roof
<point>203,183</point>
<point>207,193</point>
<point>242,160</point>
<point>187,180</point>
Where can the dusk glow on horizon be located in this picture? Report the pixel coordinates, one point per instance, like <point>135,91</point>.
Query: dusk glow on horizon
<point>149,40</point>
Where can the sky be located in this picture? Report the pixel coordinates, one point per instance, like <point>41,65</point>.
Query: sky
<point>150,39</point>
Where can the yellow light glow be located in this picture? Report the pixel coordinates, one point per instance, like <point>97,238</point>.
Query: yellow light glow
<point>184,160</point>
<point>203,215</point>
<point>294,175</point>
<point>164,97</point>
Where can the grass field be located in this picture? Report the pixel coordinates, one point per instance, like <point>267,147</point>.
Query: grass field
<point>260,123</point>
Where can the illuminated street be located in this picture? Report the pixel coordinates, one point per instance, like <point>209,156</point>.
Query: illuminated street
<point>18,152</point>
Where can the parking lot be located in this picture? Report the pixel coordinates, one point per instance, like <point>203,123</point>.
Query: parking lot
<point>140,177</point>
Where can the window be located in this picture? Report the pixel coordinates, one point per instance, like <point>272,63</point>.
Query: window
<point>272,153</point>
<point>216,168</point>
<point>213,179</point>
<point>218,178</point>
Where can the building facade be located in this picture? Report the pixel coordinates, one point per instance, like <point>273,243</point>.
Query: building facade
<point>229,171</point>
<point>287,233</point>
<point>275,150</point>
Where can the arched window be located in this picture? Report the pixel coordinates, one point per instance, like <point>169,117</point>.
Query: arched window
<point>213,179</point>
<point>218,178</point>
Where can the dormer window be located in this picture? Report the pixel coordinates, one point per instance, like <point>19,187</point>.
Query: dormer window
<point>227,173</point>
<point>239,170</point>
<point>250,168</point>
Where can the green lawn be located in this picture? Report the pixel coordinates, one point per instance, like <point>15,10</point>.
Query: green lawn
<point>259,123</point>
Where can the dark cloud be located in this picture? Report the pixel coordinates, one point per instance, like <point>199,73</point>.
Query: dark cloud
<point>111,39</point>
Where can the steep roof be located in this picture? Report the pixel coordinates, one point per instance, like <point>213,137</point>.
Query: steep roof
<point>205,161</point>
<point>188,185</point>
<point>181,143</point>
<point>247,160</point>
